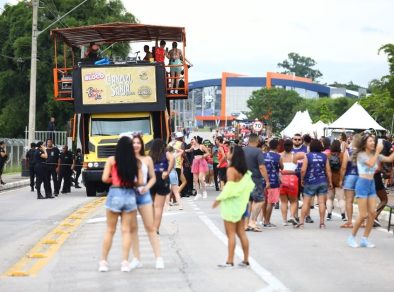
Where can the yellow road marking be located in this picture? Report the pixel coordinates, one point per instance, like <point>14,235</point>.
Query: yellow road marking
<point>43,251</point>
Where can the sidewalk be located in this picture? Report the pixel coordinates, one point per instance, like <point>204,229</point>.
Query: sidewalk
<point>14,180</point>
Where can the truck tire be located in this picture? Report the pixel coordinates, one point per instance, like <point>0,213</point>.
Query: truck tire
<point>91,189</point>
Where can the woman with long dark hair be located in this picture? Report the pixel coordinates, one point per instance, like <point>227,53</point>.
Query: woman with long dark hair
<point>124,173</point>
<point>145,206</point>
<point>234,202</point>
<point>367,156</point>
<point>163,162</point>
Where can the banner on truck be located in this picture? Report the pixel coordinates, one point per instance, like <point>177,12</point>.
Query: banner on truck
<point>117,85</point>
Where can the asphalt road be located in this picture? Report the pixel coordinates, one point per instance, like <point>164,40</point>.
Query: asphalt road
<point>193,243</point>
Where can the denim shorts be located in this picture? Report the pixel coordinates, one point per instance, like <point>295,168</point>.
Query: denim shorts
<point>317,189</point>
<point>174,178</point>
<point>121,200</point>
<point>365,188</point>
<point>257,195</point>
<point>349,182</point>
<point>143,199</point>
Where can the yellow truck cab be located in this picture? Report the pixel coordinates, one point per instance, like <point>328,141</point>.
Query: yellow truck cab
<point>114,97</point>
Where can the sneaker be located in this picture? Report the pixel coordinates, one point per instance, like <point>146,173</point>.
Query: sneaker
<point>125,266</point>
<point>277,205</point>
<point>308,219</point>
<point>172,91</point>
<point>329,216</point>
<point>198,195</point>
<point>366,243</point>
<point>343,217</point>
<point>135,263</point>
<point>351,241</point>
<point>292,221</point>
<point>204,195</point>
<point>285,223</point>
<point>226,265</point>
<point>244,264</point>
<point>269,225</point>
<point>159,263</point>
<point>103,266</point>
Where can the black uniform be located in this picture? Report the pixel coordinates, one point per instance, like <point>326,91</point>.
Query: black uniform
<point>65,172</point>
<point>2,160</point>
<point>52,160</point>
<point>31,158</point>
<point>78,168</point>
<point>41,177</point>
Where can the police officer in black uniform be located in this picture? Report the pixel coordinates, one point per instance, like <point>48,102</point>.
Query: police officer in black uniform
<point>40,169</point>
<point>52,161</point>
<point>78,167</point>
<point>31,162</point>
<point>66,161</point>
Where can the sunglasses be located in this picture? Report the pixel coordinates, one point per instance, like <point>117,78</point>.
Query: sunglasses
<point>296,139</point>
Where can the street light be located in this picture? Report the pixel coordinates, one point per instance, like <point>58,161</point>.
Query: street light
<point>33,69</point>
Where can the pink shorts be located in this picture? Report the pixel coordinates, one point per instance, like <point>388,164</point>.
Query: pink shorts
<point>273,195</point>
<point>199,166</point>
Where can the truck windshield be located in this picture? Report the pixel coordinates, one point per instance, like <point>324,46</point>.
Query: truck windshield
<point>114,127</point>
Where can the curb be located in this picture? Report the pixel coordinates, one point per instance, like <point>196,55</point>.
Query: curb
<point>14,185</point>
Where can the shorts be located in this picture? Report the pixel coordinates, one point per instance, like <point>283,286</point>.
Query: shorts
<point>174,177</point>
<point>161,186</point>
<point>222,174</point>
<point>121,200</point>
<point>378,181</point>
<point>210,166</point>
<point>317,189</point>
<point>349,182</point>
<point>257,195</point>
<point>176,69</point>
<point>246,214</point>
<point>289,185</point>
<point>365,188</point>
<point>272,195</point>
<point>143,199</point>
<point>199,166</point>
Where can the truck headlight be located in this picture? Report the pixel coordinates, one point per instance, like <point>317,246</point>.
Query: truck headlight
<point>95,164</point>
<point>90,164</point>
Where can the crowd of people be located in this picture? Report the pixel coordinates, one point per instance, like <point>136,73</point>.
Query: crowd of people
<point>46,162</point>
<point>252,180</point>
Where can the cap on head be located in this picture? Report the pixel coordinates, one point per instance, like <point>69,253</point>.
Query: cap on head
<point>178,135</point>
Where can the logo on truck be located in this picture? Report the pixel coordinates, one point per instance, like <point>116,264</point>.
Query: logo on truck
<point>94,93</point>
<point>94,76</point>
<point>144,91</point>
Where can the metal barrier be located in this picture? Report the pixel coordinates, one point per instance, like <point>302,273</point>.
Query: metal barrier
<point>16,151</point>
<point>58,137</point>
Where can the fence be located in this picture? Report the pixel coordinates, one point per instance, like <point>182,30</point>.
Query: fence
<point>16,151</point>
<point>59,137</point>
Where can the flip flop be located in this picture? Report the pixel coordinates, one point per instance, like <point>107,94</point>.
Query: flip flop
<point>256,229</point>
<point>347,225</point>
<point>248,228</point>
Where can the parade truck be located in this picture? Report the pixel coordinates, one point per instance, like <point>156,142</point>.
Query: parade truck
<point>111,96</point>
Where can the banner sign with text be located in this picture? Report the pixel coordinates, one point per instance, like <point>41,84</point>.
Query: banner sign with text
<point>118,85</point>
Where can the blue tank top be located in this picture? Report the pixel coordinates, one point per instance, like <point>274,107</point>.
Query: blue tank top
<point>316,169</point>
<point>271,161</point>
<point>304,149</point>
<point>162,164</point>
<point>351,167</point>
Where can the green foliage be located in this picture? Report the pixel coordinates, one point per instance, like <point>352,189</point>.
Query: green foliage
<point>277,106</point>
<point>348,86</point>
<point>15,50</point>
<point>300,66</point>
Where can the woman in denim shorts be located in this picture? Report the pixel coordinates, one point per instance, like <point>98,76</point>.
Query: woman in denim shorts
<point>145,206</point>
<point>174,181</point>
<point>367,157</point>
<point>316,178</point>
<point>124,173</point>
<point>348,179</point>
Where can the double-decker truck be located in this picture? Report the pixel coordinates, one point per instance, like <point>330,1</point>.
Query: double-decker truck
<point>115,97</point>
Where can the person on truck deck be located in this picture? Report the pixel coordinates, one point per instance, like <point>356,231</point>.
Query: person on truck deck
<point>123,171</point>
<point>92,53</point>
<point>160,52</point>
<point>176,58</point>
<point>148,54</point>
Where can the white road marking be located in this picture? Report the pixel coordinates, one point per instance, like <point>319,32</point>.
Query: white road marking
<point>274,284</point>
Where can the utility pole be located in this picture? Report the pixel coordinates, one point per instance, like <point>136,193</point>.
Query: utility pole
<point>33,75</point>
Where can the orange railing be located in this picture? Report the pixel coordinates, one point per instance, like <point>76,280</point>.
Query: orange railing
<point>62,84</point>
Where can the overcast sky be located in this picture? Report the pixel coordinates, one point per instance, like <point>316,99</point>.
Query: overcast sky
<point>251,36</point>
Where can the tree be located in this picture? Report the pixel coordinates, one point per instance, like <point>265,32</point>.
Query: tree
<point>348,86</point>
<point>276,104</point>
<point>300,66</point>
<point>15,48</point>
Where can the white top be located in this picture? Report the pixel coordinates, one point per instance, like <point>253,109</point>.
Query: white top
<point>289,166</point>
<point>144,169</point>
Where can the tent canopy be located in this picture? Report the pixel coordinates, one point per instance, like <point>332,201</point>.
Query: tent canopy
<point>356,117</point>
<point>301,123</point>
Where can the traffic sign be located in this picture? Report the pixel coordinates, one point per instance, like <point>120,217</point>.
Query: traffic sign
<point>257,126</point>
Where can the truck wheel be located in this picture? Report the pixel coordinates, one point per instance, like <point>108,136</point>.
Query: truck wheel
<point>91,189</point>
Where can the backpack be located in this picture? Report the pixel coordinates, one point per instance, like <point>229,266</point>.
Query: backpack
<point>335,162</point>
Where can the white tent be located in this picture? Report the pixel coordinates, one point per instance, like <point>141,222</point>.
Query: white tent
<point>318,129</point>
<point>356,117</point>
<point>241,117</point>
<point>301,123</point>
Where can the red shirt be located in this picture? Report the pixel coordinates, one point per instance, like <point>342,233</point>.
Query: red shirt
<point>160,54</point>
<point>220,156</point>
